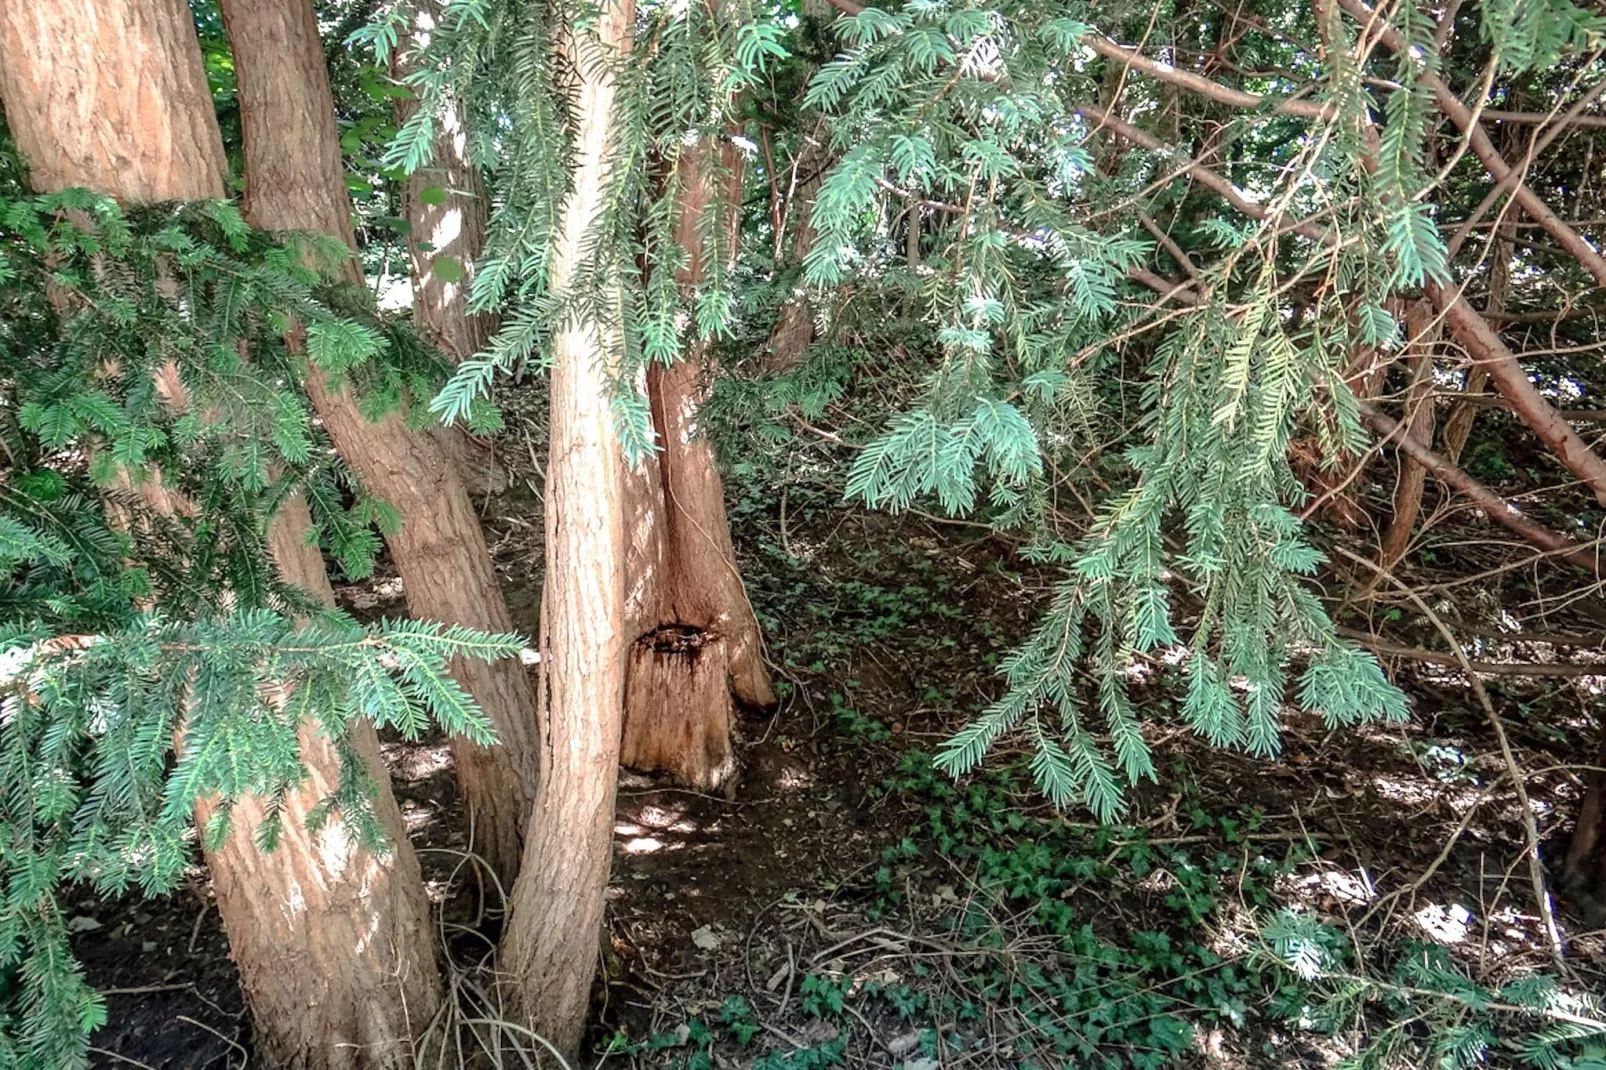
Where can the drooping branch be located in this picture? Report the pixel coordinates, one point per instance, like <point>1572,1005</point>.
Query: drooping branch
<point>1500,510</point>
<point>1506,372</point>
<point>1478,140</point>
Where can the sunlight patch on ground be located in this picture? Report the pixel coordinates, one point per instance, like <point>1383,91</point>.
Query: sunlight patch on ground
<point>1403,791</point>
<point>1447,924</point>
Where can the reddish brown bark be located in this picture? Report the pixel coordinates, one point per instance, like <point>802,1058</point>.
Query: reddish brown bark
<point>1488,352</point>
<point>1420,331</point>
<point>448,214</point>
<point>551,948</point>
<point>704,644</point>
<point>294,181</point>
<point>334,946</point>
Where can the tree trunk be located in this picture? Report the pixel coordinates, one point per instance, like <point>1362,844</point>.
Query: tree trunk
<point>1583,873</point>
<point>338,962</point>
<point>704,646</point>
<point>294,181</point>
<point>793,332</point>
<point>1421,331</point>
<point>334,946</point>
<point>111,96</point>
<point>448,213</point>
<point>550,952</point>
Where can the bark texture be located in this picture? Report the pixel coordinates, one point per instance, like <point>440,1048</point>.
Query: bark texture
<point>294,181</point>
<point>334,946</point>
<point>110,95</point>
<point>551,948</point>
<point>677,718</point>
<point>448,214</point>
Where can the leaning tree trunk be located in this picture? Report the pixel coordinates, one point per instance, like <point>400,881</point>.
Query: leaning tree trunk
<point>294,181</point>
<point>550,951</point>
<point>704,645</point>
<point>448,213</point>
<point>333,944</point>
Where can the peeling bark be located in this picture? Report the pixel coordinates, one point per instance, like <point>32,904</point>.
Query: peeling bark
<point>333,944</point>
<point>294,181</point>
<point>551,949</point>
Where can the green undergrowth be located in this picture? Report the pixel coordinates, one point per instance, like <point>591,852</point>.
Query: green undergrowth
<point>1035,942</point>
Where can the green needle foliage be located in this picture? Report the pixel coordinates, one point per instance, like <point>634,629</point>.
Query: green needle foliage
<point>690,65</point>
<point>150,656</point>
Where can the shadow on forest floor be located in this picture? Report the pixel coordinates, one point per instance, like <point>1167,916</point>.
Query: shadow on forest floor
<point>849,907</point>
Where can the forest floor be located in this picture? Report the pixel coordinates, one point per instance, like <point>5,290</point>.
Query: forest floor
<point>851,907</point>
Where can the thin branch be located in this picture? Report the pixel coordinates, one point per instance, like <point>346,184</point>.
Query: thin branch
<point>1497,507</point>
<point>1536,872</point>
<point>1459,114</point>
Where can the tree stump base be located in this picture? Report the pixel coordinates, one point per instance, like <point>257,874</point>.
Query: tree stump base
<point>678,708</point>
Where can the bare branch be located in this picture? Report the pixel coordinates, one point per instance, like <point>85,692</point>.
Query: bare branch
<point>1497,507</point>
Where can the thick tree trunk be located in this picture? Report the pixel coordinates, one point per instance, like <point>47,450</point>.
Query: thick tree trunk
<point>448,214</point>
<point>111,96</point>
<point>1421,331</point>
<point>704,646</point>
<point>334,946</point>
<point>551,948</point>
<point>294,182</point>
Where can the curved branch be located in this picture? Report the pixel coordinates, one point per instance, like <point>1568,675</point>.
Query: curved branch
<point>1506,372</point>
<point>1459,114</point>
<point>1202,174</point>
<point>1500,510</point>
<point>1198,83</point>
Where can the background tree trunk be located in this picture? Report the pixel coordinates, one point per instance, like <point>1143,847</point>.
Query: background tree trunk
<point>704,645</point>
<point>448,213</point>
<point>334,946</point>
<point>551,948</point>
<point>1458,426</point>
<point>294,181</point>
<point>1421,331</point>
<point>793,332</point>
